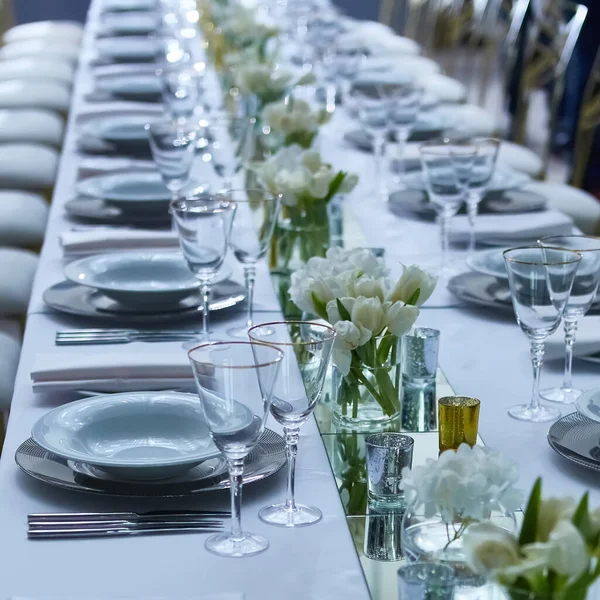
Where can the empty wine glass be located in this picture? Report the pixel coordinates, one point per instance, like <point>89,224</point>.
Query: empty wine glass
<point>231,145</point>
<point>235,383</point>
<point>346,62</point>
<point>540,280</point>
<point>585,288</point>
<point>481,175</point>
<point>306,347</point>
<point>405,111</point>
<point>446,172</point>
<point>375,104</point>
<point>203,224</point>
<point>172,145</point>
<point>179,88</point>
<point>253,225</point>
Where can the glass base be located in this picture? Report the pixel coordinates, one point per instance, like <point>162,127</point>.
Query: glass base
<point>561,395</point>
<point>279,515</point>
<point>542,414</point>
<point>222,544</point>
<point>239,332</point>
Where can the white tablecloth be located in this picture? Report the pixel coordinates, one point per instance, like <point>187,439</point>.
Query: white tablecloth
<point>483,354</point>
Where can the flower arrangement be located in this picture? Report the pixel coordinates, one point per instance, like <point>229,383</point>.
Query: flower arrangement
<point>554,556</point>
<point>352,291</point>
<point>294,121</point>
<point>307,185</point>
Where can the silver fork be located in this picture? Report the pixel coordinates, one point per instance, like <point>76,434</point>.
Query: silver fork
<point>120,336</point>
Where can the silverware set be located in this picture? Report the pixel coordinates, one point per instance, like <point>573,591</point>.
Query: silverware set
<point>81,525</point>
<point>75,337</point>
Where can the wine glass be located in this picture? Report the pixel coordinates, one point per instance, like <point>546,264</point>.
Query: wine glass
<point>203,224</point>
<point>235,382</point>
<point>306,348</point>
<point>540,280</point>
<point>253,225</point>
<point>481,175</point>
<point>231,145</point>
<point>446,172</point>
<point>172,144</point>
<point>179,88</point>
<point>585,288</point>
<point>405,111</point>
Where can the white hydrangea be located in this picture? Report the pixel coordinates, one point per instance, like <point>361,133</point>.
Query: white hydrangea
<point>293,116</point>
<point>467,484</point>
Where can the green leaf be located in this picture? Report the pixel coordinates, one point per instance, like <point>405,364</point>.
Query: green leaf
<point>343,311</point>
<point>415,297</point>
<point>335,185</point>
<point>581,520</point>
<point>389,400</point>
<point>320,307</point>
<point>530,519</point>
<point>384,348</point>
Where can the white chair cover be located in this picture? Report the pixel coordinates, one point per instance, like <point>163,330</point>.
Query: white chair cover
<point>31,125</point>
<point>28,166</point>
<point>35,94</point>
<point>23,217</point>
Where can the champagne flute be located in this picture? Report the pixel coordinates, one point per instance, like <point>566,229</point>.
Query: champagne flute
<point>585,288</point>
<point>540,280</point>
<point>253,225</point>
<point>203,224</point>
<point>235,383</point>
<point>179,88</point>
<point>172,145</point>
<point>306,348</point>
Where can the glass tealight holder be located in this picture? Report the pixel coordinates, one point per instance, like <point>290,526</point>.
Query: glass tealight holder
<point>426,581</point>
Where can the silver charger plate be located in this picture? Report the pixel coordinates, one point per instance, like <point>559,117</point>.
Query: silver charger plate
<point>73,299</point>
<point>266,459</point>
<point>126,5</point>
<point>506,202</point>
<point>130,86</point>
<point>129,49</point>
<point>577,439</point>
<point>98,211</point>
<point>130,22</point>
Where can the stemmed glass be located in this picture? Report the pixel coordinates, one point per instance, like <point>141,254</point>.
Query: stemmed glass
<point>179,88</point>
<point>446,171</point>
<point>172,145</point>
<point>231,145</point>
<point>346,63</point>
<point>306,347</point>
<point>235,384</point>
<point>375,104</point>
<point>481,175</point>
<point>253,225</point>
<point>203,224</point>
<point>405,111</point>
<point>585,288</point>
<point>540,280</point>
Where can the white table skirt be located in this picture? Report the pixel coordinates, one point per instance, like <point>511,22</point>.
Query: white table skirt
<point>482,353</point>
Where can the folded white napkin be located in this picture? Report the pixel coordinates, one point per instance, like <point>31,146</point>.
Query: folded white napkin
<point>587,342</point>
<point>112,371</point>
<point>106,240</point>
<point>519,228</point>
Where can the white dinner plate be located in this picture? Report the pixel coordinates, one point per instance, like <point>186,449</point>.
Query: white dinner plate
<point>125,5</point>
<point>588,404</point>
<point>138,435</point>
<point>123,128</point>
<point>131,85</point>
<point>127,49</point>
<point>135,22</point>
<point>488,262</point>
<point>148,279</point>
<point>504,178</point>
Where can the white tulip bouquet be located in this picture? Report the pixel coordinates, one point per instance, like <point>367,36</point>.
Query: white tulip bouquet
<point>554,557</point>
<point>307,185</point>
<point>293,121</point>
<point>351,290</point>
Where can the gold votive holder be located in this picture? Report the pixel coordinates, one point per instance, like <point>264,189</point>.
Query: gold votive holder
<point>458,421</point>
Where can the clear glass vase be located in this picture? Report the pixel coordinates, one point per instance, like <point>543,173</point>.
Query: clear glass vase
<point>431,538</point>
<point>369,396</point>
<point>301,233</point>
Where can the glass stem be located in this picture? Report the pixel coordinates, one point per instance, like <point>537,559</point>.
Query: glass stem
<point>205,289</point>
<point>445,220</point>
<point>379,154</point>
<point>249,277</point>
<point>472,207</point>
<point>537,356</point>
<point>236,471</point>
<point>291,437</point>
<point>402,137</point>
<point>570,334</point>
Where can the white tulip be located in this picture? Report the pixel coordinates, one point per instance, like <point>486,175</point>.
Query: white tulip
<point>333,312</point>
<point>348,337</point>
<point>349,183</point>
<point>399,318</point>
<point>413,279</point>
<point>368,313</point>
<point>490,549</point>
<point>369,288</point>
<point>552,511</point>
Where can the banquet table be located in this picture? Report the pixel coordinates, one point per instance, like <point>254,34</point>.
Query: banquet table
<point>483,354</point>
